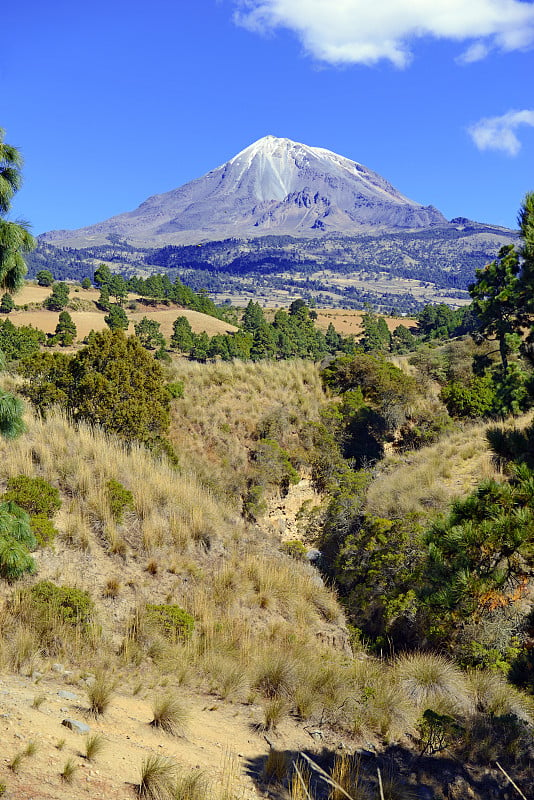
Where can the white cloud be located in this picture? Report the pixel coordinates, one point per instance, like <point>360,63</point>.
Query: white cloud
<point>498,133</point>
<point>476,52</point>
<point>366,31</point>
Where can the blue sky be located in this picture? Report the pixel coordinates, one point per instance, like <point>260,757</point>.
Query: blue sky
<point>111,102</point>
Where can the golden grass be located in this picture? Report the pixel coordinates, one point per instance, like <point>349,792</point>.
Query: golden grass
<point>217,419</point>
<point>349,321</point>
<point>87,317</point>
<point>425,481</point>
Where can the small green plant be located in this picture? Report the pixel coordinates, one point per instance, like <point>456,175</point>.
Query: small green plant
<point>38,700</point>
<point>94,744</point>
<point>437,731</point>
<point>294,548</point>
<point>173,621</point>
<point>69,769</point>
<point>119,499</point>
<point>175,389</point>
<point>157,778</point>
<point>35,495</point>
<point>60,744</point>
<point>68,604</point>
<point>16,761</point>
<point>99,694</point>
<point>169,715</point>
<point>29,751</point>
<point>43,529</point>
<point>3,789</point>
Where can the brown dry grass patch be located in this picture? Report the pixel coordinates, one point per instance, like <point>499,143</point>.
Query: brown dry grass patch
<point>349,321</point>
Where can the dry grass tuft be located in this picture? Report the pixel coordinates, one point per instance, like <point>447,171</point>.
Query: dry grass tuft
<point>276,766</point>
<point>276,676</point>
<point>428,679</point>
<point>493,695</point>
<point>169,715</point>
<point>193,785</point>
<point>274,711</point>
<point>99,693</point>
<point>157,778</point>
<point>425,481</point>
<point>94,745</point>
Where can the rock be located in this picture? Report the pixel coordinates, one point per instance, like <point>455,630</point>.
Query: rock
<point>67,695</point>
<point>75,725</point>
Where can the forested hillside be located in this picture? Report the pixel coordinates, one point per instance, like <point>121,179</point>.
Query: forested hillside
<point>277,541</point>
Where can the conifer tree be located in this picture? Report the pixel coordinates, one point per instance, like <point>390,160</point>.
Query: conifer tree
<point>15,237</point>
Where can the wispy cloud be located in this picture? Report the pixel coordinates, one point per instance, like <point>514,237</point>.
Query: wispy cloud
<point>498,133</point>
<point>364,32</point>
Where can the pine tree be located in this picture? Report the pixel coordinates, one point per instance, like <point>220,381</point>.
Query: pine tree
<point>15,238</point>
<point>496,302</point>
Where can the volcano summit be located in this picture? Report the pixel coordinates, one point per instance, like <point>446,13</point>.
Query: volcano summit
<point>274,186</point>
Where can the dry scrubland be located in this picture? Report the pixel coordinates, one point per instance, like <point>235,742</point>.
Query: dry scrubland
<point>269,654</point>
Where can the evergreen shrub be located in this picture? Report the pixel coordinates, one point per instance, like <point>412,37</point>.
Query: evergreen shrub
<point>173,621</point>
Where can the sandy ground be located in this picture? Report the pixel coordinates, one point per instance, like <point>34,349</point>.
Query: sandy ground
<point>220,740</point>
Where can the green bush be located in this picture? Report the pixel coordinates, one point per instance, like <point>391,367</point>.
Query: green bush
<point>70,605</point>
<point>254,504</point>
<point>295,549</point>
<point>7,304</point>
<point>16,540</point>
<point>34,495</point>
<point>119,499</point>
<point>43,529</point>
<point>273,465</point>
<point>475,399</point>
<point>176,389</point>
<point>173,621</point>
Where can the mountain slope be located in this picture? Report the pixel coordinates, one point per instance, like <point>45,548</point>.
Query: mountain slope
<point>273,186</point>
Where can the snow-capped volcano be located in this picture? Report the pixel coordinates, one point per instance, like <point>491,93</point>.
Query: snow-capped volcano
<point>274,186</point>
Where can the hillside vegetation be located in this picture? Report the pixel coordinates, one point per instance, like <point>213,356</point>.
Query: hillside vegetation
<point>385,652</point>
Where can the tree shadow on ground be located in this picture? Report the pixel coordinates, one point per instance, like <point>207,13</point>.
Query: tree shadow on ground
<point>405,775</point>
